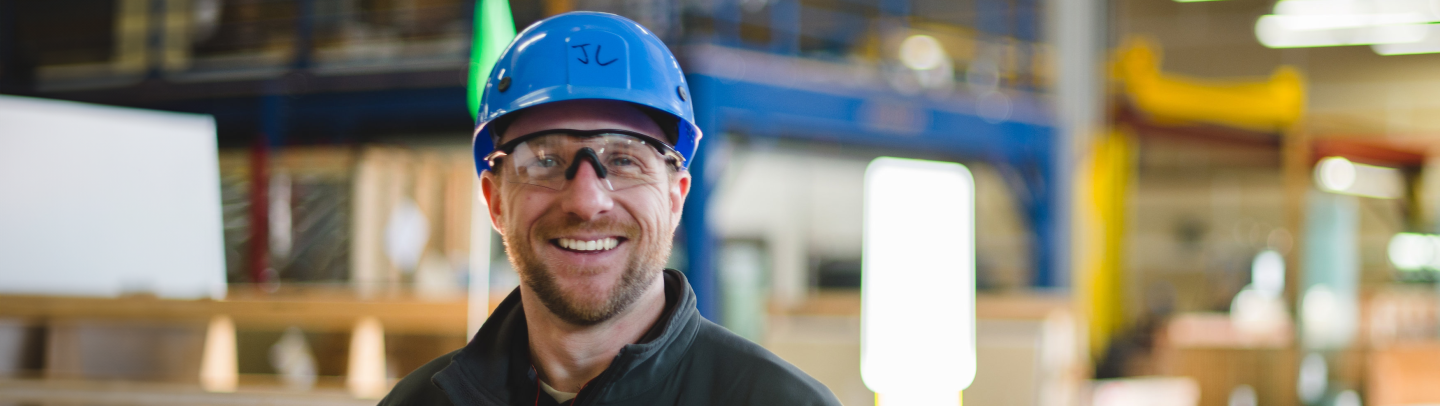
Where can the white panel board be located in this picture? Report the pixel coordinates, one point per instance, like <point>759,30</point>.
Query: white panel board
<point>104,201</point>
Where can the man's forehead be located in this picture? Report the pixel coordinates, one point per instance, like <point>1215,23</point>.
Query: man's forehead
<point>582,115</point>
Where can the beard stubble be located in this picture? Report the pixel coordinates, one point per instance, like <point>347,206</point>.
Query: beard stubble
<point>647,257</point>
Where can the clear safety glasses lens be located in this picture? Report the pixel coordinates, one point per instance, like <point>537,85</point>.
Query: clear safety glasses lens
<point>620,161</point>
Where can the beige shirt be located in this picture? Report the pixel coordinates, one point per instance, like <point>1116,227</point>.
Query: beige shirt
<point>560,397</point>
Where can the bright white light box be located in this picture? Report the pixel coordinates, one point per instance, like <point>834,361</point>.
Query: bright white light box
<point>918,286</point>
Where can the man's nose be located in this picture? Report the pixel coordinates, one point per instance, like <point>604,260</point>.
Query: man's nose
<point>587,195</point>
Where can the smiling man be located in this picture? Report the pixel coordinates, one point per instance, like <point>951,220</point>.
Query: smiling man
<point>585,136</point>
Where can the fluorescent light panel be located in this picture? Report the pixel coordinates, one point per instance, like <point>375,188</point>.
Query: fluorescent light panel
<point>918,286</point>
<point>1320,23</point>
<point>1430,45</point>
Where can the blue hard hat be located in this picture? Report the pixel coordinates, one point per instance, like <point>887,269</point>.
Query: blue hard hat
<point>586,55</point>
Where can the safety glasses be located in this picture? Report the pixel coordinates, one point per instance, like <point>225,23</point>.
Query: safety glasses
<point>621,159</point>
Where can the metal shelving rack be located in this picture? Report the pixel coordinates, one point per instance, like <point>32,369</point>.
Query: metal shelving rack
<point>329,72</point>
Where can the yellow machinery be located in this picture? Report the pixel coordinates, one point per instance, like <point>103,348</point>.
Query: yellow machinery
<point>1273,105</point>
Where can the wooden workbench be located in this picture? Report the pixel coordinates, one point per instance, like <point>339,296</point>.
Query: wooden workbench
<point>323,309</point>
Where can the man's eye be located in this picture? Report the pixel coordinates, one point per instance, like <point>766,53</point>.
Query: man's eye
<point>621,161</point>
<point>546,162</point>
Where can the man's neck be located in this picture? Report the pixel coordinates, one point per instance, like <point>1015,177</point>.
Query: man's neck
<point>567,356</point>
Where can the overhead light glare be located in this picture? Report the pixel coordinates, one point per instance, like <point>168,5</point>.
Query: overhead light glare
<point>921,52</point>
<point>1276,31</point>
<point>1335,173</point>
<point>1356,7</point>
<point>1412,252</point>
<point>1339,175</point>
<point>1267,273</point>
<point>1320,23</point>
<point>1430,45</point>
<point>1340,21</point>
<point>1327,317</point>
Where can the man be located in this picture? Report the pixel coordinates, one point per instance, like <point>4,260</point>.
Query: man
<point>585,136</point>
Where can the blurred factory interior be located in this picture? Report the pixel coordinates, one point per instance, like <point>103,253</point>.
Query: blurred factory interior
<point>1176,202</point>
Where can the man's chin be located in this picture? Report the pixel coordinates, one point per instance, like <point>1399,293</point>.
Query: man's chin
<point>587,289</point>
<point>585,297</point>
<point>578,296</point>
<point>582,309</point>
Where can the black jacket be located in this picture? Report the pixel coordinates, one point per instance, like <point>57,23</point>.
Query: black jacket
<point>683,360</point>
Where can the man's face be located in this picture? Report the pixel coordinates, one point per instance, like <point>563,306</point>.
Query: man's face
<point>542,226</point>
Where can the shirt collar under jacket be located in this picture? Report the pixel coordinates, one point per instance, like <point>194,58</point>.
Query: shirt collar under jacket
<point>495,368</point>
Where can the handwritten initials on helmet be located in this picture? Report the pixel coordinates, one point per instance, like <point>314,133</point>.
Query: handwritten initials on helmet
<point>584,52</point>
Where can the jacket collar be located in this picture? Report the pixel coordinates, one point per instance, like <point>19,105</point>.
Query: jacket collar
<point>495,368</point>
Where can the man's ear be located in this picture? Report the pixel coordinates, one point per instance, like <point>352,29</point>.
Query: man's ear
<point>489,187</point>
<point>679,190</point>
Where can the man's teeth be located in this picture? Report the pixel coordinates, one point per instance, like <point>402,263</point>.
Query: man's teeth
<point>595,245</point>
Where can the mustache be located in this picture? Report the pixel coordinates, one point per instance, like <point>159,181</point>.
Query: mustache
<point>568,225</point>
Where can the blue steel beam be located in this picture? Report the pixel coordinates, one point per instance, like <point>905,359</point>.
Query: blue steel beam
<point>769,110</point>
<point>700,242</point>
<point>1019,149</point>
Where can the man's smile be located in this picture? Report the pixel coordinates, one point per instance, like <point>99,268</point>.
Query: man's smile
<point>588,245</point>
